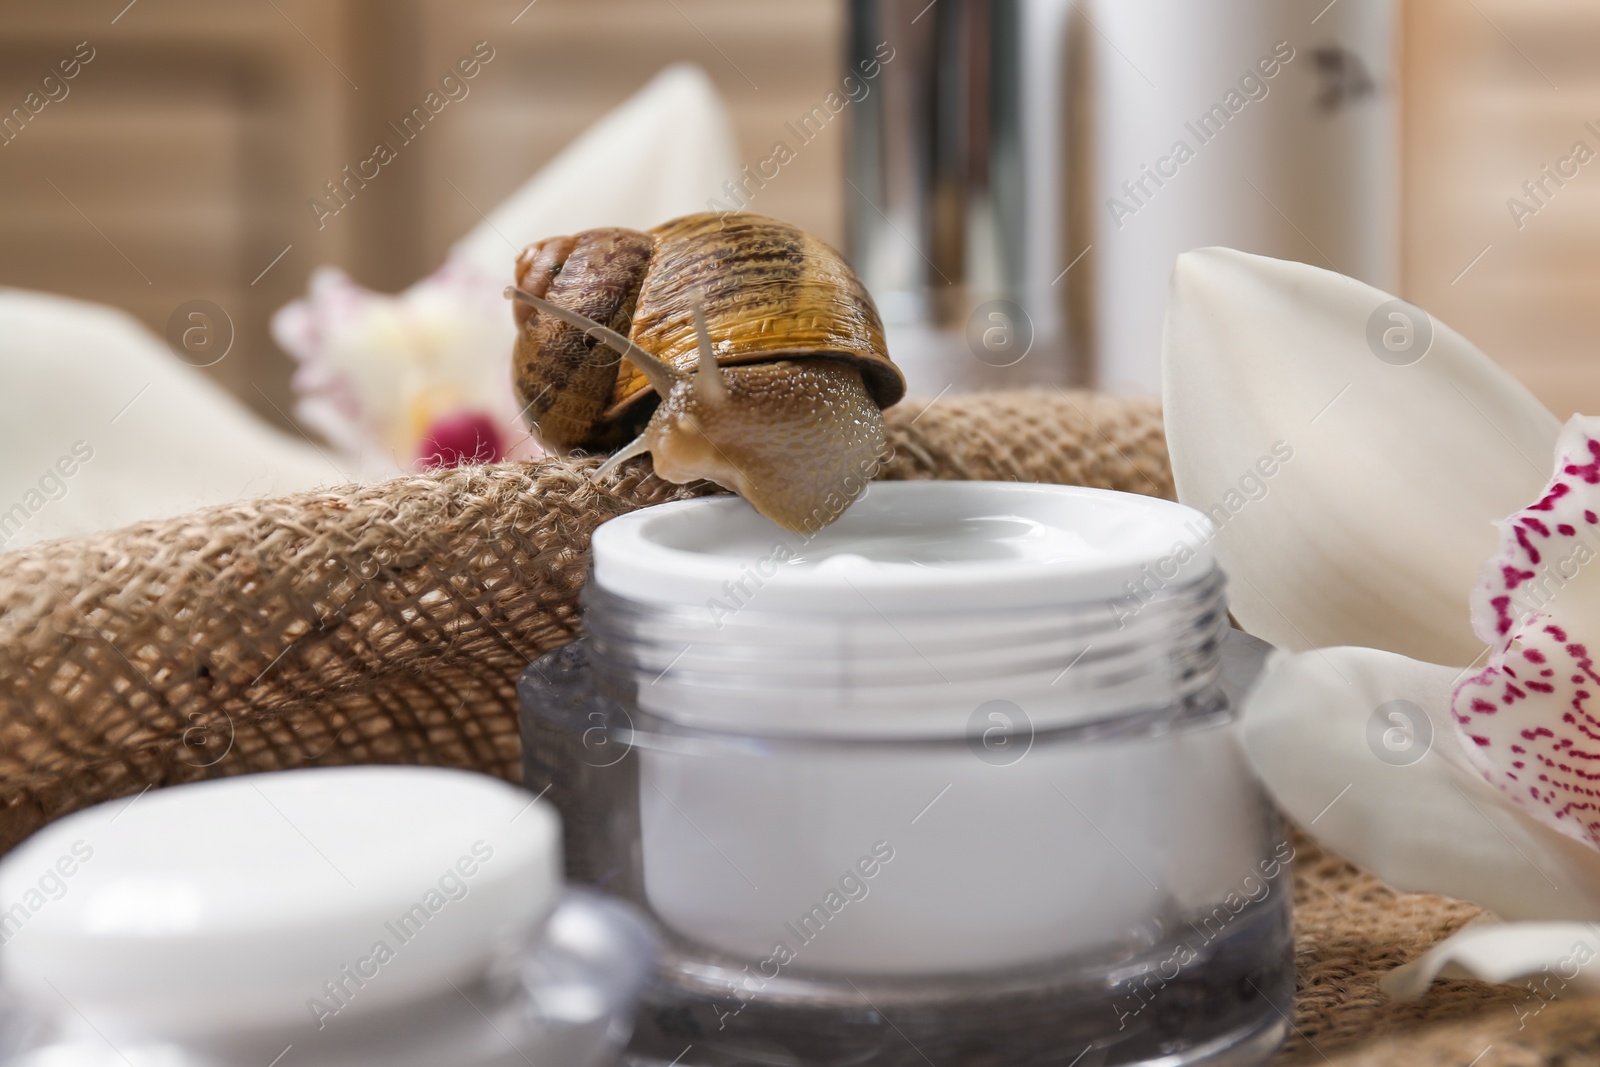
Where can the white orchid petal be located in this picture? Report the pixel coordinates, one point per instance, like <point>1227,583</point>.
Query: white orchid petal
<point>1353,496</point>
<point>1559,954</point>
<point>1336,736</point>
<point>1529,720</point>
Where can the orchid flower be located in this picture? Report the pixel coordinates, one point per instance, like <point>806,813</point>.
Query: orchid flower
<point>416,379</point>
<point>423,378</point>
<point>1387,510</point>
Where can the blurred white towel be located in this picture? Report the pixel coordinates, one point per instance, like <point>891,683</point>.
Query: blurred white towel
<point>101,425</point>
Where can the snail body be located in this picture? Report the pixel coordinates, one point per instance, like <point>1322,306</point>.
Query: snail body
<point>730,347</point>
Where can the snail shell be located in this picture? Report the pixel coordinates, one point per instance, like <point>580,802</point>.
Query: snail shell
<point>785,412</point>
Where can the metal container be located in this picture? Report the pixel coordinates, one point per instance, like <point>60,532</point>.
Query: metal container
<point>1025,172</point>
<point>956,171</point>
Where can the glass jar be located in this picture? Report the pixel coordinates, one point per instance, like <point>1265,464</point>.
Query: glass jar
<point>953,780</point>
<point>343,916</point>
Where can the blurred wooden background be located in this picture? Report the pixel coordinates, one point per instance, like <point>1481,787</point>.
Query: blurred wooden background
<point>180,163</point>
<point>1495,90</point>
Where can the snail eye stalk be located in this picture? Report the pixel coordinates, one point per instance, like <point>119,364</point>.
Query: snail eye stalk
<point>708,377</point>
<point>659,373</point>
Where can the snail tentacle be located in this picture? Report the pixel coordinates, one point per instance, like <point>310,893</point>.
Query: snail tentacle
<point>708,376</point>
<point>637,447</point>
<point>660,373</point>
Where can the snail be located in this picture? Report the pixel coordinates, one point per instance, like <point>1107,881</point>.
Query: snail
<point>730,347</point>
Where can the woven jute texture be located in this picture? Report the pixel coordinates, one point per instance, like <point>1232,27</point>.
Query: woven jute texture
<point>387,623</point>
<point>1351,929</point>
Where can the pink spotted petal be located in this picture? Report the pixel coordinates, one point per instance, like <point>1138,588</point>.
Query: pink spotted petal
<point>1420,816</point>
<point>1530,720</point>
<point>1545,545</point>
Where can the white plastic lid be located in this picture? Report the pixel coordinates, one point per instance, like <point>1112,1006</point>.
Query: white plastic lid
<point>230,903</point>
<point>908,546</point>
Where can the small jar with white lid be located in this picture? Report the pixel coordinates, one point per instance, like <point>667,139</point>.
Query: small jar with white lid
<point>401,916</point>
<point>953,778</point>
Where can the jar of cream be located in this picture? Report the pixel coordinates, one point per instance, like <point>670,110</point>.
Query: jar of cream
<point>394,916</point>
<point>953,780</point>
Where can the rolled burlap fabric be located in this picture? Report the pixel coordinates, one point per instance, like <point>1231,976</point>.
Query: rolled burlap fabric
<point>387,623</point>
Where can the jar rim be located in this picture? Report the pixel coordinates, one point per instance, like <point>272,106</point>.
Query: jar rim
<point>908,546</point>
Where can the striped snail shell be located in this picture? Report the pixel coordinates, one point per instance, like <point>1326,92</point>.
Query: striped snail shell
<point>730,347</point>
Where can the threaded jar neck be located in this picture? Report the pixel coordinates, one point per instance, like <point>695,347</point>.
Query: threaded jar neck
<point>929,601</point>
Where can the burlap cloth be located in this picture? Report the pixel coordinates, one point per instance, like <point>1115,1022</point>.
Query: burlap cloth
<point>387,623</point>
